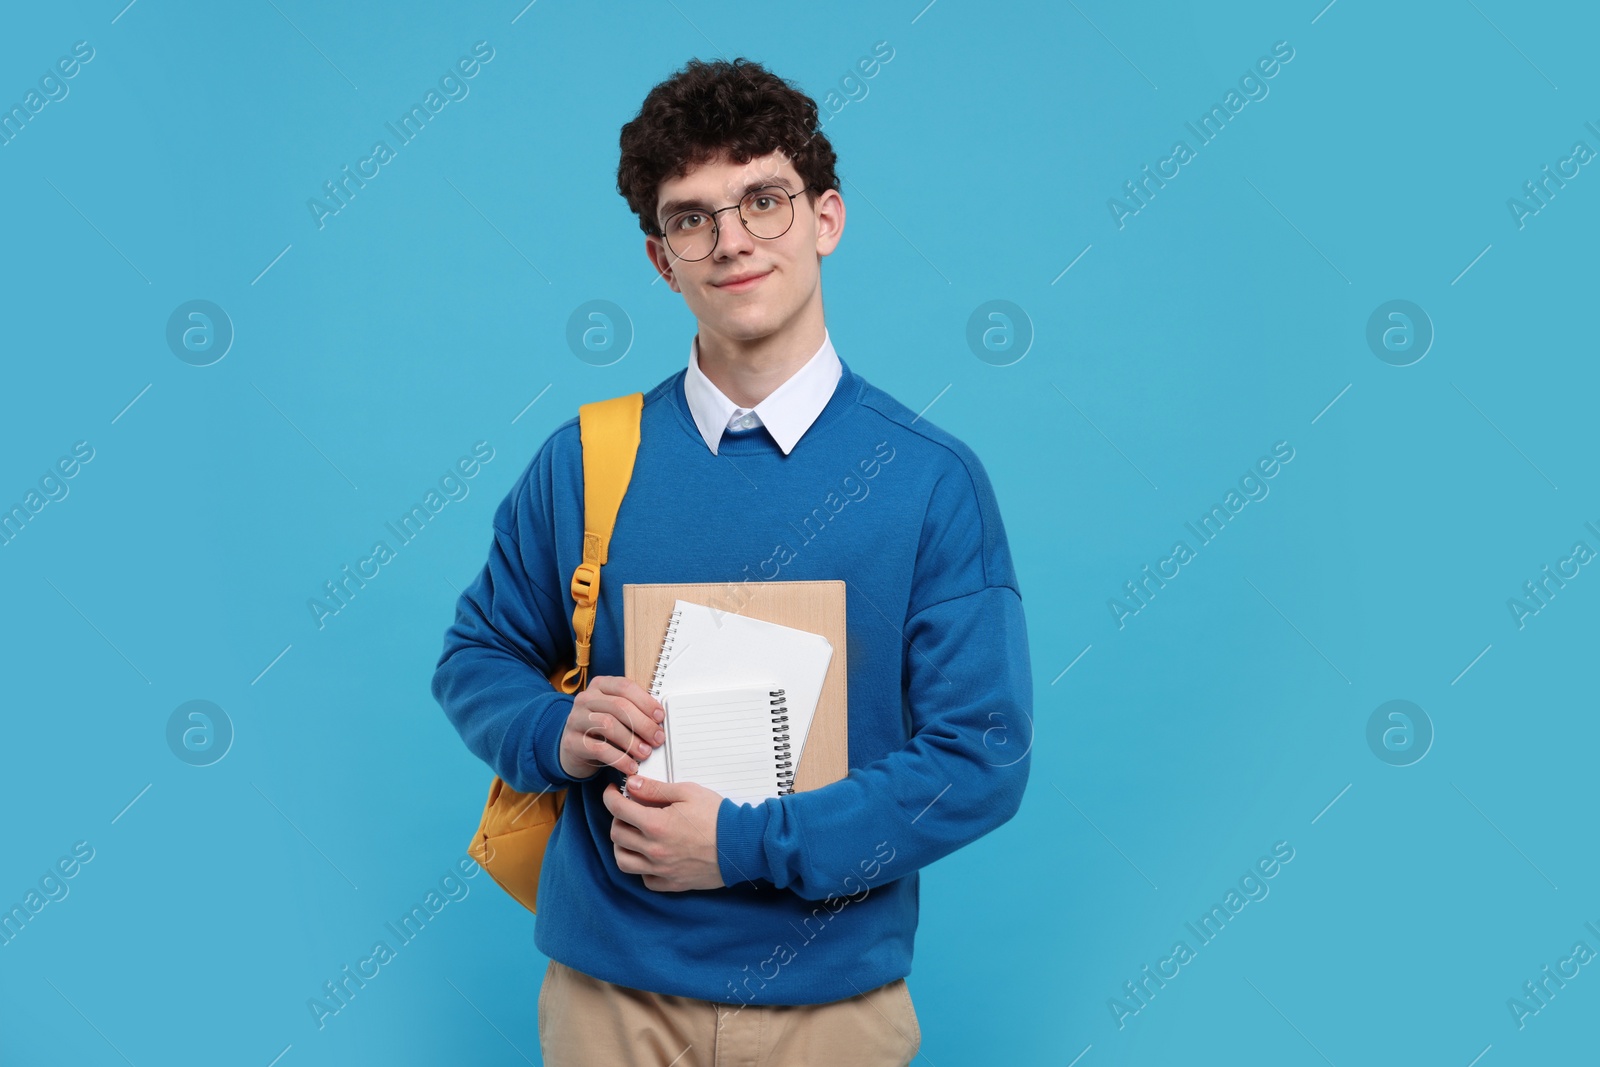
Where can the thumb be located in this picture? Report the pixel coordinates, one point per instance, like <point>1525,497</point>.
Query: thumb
<point>654,789</point>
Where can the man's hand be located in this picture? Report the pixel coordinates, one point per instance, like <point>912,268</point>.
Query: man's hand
<point>666,832</point>
<point>614,723</point>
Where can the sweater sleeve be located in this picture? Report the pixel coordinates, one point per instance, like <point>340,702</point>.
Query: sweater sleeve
<point>510,631</point>
<point>969,691</point>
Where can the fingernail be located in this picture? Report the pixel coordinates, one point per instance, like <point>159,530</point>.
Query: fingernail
<point>659,714</point>
<point>660,737</point>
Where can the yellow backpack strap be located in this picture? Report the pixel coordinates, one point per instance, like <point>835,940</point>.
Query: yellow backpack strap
<point>609,431</point>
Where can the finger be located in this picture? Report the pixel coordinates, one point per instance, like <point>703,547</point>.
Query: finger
<point>617,804</point>
<point>607,794</point>
<point>629,810</point>
<point>626,836</point>
<point>631,721</point>
<point>630,862</point>
<point>634,693</point>
<point>596,749</point>
<point>607,740</point>
<point>655,791</point>
<point>644,796</point>
<point>640,723</point>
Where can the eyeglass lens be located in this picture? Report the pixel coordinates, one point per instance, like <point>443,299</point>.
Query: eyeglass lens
<point>767,213</point>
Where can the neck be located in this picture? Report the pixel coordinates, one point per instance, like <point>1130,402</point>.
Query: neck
<point>747,371</point>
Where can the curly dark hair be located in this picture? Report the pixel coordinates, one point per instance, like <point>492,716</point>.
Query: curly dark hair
<point>706,109</point>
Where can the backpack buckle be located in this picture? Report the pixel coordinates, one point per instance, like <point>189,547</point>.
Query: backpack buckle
<point>585,579</point>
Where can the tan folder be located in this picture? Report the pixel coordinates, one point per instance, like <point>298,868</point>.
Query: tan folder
<point>817,606</point>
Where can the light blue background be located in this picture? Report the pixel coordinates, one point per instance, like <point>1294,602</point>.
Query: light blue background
<point>1227,315</point>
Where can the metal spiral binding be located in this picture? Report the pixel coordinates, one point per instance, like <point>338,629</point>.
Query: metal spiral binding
<point>780,738</point>
<point>666,654</point>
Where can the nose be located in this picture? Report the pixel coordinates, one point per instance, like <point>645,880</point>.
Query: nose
<point>732,237</point>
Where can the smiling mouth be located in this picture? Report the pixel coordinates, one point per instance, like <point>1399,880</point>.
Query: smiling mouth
<point>741,286</point>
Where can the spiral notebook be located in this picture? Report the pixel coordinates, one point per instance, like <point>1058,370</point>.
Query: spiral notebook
<point>813,605</point>
<point>770,678</point>
<point>735,742</point>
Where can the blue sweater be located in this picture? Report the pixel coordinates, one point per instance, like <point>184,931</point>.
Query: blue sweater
<point>820,894</point>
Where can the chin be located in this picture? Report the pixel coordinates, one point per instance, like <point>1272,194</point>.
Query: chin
<point>749,322</point>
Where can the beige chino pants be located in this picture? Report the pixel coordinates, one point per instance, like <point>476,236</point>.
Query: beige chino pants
<point>588,1022</point>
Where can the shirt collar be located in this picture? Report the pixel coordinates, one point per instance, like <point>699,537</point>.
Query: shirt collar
<point>787,412</point>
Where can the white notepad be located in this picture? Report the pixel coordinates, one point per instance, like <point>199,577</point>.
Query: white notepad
<point>707,650</point>
<point>735,742</point>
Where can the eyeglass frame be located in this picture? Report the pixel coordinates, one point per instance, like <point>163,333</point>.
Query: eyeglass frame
<point>716,227</point>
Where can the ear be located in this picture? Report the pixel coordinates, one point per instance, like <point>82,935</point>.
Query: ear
<point>661,261</point>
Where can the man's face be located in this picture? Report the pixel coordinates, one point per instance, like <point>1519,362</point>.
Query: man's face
<point>784,271</point>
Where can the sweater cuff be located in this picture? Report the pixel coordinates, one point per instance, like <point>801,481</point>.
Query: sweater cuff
<point>547,743</point>
<point>740,830</point>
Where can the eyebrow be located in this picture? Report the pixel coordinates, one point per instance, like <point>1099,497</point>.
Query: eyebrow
<point>672,207</point>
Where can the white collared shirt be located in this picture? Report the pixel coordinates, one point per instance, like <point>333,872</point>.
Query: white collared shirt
<point>787,412</point>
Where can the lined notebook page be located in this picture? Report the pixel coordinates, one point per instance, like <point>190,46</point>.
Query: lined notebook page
<point>707,649</point>
<point>723,739</point>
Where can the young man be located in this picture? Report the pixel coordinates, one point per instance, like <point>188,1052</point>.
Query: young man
<point>678,923</point>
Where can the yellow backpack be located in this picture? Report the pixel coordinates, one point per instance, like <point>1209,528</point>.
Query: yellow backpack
<point>511,836</point>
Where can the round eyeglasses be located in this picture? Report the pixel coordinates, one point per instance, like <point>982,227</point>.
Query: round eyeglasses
<point>767,213</point>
